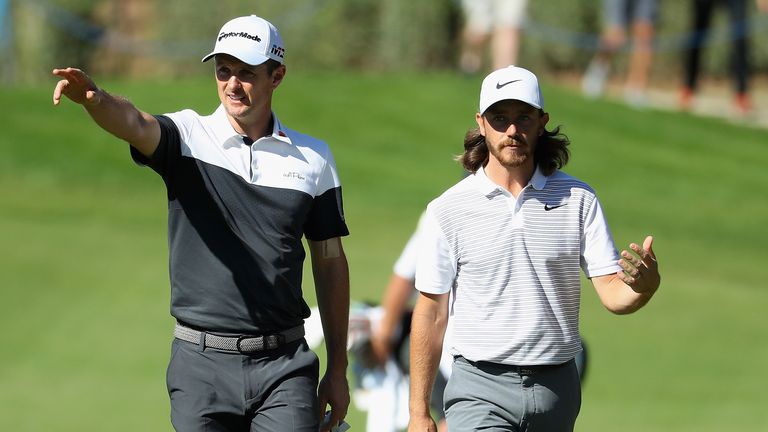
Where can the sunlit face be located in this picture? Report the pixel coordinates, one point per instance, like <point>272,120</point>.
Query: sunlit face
<point>511,129</point>
<point>245,90</point>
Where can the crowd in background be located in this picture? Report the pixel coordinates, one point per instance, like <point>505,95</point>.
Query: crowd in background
<point>677,39</point>
<point>627,25</point>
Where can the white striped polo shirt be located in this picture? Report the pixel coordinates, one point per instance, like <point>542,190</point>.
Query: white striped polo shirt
<point>513,265</point>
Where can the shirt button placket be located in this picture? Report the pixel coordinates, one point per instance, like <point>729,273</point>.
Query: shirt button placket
<point>515,205</point>
<point>254,166</point>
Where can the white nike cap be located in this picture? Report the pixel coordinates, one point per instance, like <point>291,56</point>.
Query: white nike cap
<point>511,82</point>
<point>250,39</point>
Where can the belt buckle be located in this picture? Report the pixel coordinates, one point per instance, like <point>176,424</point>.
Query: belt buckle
<point>273,341</point>
<point>239,341</point>
<point>268,342</point>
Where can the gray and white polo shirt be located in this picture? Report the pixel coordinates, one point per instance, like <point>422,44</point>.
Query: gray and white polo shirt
<point>513,265</point>
<point>237,212</point>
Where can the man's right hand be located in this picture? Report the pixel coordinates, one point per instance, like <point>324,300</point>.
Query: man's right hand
<point>75,85</point>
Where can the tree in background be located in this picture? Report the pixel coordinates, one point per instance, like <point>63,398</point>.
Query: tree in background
<point>162,38</point>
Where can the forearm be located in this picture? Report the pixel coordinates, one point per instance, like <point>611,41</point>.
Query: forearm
<point>115,115</point>
<point>396,297</point>
<point>121,118</point>
<point>618,297</point>
<point>331,275</point>
<point>427,332</point>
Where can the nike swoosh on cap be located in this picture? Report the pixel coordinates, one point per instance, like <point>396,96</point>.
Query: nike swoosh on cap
<point>500,85</point>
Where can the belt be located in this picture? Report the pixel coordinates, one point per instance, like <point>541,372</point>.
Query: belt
<point>518,369</point>
<point>241,344</point>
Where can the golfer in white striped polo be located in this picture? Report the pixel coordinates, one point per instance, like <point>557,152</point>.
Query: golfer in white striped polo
<point>506,245</point>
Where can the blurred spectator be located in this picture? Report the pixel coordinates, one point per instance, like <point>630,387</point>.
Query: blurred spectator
<point>639,16</point>
<point>391,337</point>
<point>379,348</point>
<point>701,18</point>
<point>495,21</point>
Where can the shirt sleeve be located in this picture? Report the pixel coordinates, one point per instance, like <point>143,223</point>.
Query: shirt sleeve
<point>598,255</point>
<point>326,215</point>
<point>405,266</point>
<point>436,266</point>
<point>168,150</point>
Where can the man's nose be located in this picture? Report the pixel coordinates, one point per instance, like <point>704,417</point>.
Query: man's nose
<point>233,82</point>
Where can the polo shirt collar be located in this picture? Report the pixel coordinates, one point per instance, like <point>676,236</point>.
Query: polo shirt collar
<point>278,131</point>
<point>489,188</point>
<point>224,128</point>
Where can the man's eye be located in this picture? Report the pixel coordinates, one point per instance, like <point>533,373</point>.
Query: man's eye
<point>223,74</point>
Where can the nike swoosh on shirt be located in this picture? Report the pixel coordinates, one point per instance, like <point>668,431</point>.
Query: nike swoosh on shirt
<point>548,207</point>
<point>500,85</point>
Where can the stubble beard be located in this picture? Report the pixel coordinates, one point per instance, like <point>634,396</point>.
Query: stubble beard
<point>514,157</point>
<point>238,111</point>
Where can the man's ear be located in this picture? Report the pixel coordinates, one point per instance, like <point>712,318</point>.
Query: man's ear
<point>480,123</point>
<point>543,120</point>
<point>277,76</point>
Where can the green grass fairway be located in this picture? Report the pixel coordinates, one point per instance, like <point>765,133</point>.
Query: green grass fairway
<point>83,257</point>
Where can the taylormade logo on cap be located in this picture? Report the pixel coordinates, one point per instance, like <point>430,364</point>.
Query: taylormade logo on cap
<point>511,82</point>
<point>241,34</point>
<point>250,39</point>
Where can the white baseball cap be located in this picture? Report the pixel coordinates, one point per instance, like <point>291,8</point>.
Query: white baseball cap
<point>511,82</point>
<point>250,39</point>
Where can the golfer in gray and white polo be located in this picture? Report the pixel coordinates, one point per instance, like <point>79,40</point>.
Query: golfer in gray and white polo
<point>244,192</point>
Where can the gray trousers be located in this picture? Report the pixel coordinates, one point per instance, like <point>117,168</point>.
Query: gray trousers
<point>269,391</point>
<point>493,397</point>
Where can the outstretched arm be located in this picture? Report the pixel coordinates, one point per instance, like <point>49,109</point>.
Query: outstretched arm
<point>631,288</point>
<point>115,115</point>
<point>331,275</point>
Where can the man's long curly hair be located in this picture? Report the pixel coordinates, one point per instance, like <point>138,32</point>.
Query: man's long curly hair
<point>550,155</point>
